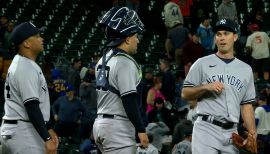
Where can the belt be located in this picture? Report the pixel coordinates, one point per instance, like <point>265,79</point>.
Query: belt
<point>108,116</point>
<point>10,121</point>
<point>13,121</point>
<point>111,116</point>
<point>222,124</point>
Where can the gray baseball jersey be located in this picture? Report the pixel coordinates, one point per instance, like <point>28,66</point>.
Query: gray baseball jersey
<point>149,150</point>
<point>237,78</point>
<point>25,82</point>
<point>183,147</point>
<point>124,75</point>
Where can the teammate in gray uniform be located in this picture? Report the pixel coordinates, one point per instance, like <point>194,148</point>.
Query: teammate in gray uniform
<point>223,86</point>
<point>118,113</point>
<point>27,105</point>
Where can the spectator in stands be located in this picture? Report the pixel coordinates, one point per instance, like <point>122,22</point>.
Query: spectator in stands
<point>147,83</point>
<point>151,149</point>
<point>206,36</point>
<point>73,77</point>
<point>158,129</point>
<point>153,93</point>
<point>192,51</point>
<point>258,19</point>
<point>181,130</point>
<point>7,43</point>
<point>67,111</point>
<point>184,147</point>
<point>59,84</point>
<point>168,81</point>
<point>227,10</point>
<point>88,97</point>
<point>172,14</point>
<point>257,45</point>
<point>88,93</point>
<point>185,10</point>
<point>83,71</point>
<point>57,87</point>
<point>199,9</point>
<point>160,113</point>
<point>91,68</point>
<point>179,102</point>
<point>262,116</point>
<point>3,28</point>
<point>177,36</point>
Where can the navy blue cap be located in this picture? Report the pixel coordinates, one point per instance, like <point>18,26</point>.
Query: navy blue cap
<point>92,65</point>
<point>23,31</point>
<point>225,24</point>
<point>69,88</point>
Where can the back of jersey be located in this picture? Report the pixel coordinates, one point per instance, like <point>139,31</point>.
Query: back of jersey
<point>122,74</point>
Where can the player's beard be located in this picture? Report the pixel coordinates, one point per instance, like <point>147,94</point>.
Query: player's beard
<point>224,48</point>
<point>133,51</point>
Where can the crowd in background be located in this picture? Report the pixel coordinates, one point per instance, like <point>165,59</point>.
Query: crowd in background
<point>168,118</point>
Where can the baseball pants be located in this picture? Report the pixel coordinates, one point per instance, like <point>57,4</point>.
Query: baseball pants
<point>114,136</point>
<point>21,138</point>
<point>211,139</point>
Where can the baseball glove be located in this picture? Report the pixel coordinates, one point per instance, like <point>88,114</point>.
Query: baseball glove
<point>247,145</point>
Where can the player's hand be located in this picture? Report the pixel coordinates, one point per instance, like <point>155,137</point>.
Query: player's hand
<point>54,137</point>
<point>50,147</point>
<point>216,87</point>
<point>143,139</point>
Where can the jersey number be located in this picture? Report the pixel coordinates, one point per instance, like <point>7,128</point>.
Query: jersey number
<point>258,39</point>
<point>60,87</point>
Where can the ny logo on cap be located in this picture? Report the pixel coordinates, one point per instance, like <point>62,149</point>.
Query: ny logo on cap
<point>222,21</point>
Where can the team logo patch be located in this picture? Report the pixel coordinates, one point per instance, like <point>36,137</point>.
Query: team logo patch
<point>212,65</point>
<point>223,21</point>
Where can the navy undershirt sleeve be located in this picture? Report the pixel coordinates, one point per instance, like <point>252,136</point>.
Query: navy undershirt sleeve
<point>132,110</point>
<point>36,117</point>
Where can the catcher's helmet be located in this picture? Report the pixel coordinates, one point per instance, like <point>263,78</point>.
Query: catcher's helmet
<point>120,22</point>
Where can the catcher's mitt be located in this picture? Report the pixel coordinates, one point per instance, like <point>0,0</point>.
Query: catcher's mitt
<point>247,145</point>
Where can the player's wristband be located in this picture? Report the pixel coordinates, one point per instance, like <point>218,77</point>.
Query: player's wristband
<point>47,139</point>
<point>141,131</point>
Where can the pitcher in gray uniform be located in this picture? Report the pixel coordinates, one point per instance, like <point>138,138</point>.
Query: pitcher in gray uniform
<point>223,86</point>
<point>117,78</point>
<point>25,128</point>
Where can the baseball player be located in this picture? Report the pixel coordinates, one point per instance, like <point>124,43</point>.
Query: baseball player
<point>27,108</point>
<point>223,85</point>
<point>117,75</point>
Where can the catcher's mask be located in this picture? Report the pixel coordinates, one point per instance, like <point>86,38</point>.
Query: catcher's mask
<point>119,23</point>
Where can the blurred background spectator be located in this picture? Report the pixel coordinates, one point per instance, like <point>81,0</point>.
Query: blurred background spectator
<point>68,112</point>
